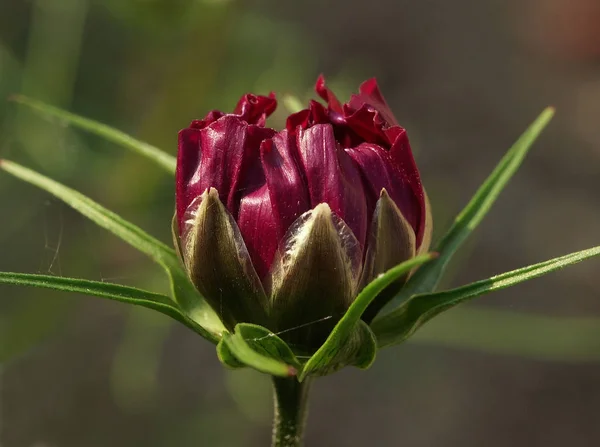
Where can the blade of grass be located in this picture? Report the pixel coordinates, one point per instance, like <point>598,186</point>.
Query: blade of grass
<point>401,323</point>
<point>161,158</point>
<point>116,292</point>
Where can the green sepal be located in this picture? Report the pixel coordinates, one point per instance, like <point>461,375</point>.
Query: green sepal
<point>351,342</point>
<point>258,348</point>
<point>314,278</point>
<point>219,265</point>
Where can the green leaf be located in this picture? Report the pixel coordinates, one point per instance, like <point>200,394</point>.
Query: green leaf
<point>156,155</point>
<point>258,348</point>
<point>427,277</point>
<point>401,323</point>
<point>358,349</point>
<point>130,233</point>
<point>344,344</point>
<point>116,292</point>
<point>226,357</point>
<point>262,341</point>
<point>184,293</point>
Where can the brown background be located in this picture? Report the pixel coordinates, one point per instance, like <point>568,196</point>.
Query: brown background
<point>464,77</point>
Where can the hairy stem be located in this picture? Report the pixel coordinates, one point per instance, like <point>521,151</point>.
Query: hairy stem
<point>291,400</point>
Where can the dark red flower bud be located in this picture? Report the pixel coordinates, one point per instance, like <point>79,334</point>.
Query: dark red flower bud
<point>284,228</point>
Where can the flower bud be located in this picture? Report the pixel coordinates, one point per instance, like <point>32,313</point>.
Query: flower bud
<point>283,228</point>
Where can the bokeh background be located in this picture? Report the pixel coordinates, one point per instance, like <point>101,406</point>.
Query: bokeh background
<point>519,368</point>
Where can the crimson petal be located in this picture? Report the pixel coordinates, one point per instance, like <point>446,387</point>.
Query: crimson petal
<point>255,109</point>
<point>401,155</point>
<point>188,162</point>
<point>367,123</point>
<point>380,173</point>
<point>324,92</point>
<point>259,228</point>
<point>332,177</point>
<point>288,192</point>
<point>370,94</point>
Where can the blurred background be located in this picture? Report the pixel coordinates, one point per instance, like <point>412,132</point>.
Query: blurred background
<point>519,368</point>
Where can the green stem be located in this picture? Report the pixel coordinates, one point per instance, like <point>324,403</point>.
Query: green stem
<point>291,400</point>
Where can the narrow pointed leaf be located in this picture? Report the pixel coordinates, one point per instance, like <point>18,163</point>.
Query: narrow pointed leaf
<point>156,155</point>
<point>116,292</point>
<point>260,349</point>
<point>400,324</point>
<point>346,328</point>
<point>184,292</point>
<point>130,233</point>
<point>426,279</point>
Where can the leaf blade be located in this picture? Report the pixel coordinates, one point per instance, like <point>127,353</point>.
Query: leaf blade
<point>246,354</point>
<point>426,278</point>
<point>159,157</point>
<point>401,323</point>
<point>108,220</point>
<point>115,292</point>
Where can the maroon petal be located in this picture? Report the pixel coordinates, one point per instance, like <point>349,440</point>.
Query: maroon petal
<point>211,117</point>
<point>255,109</point>
<point>298,119</point>
<point>259,228</point>
<point>324,92</point>
<point>209,157</point>
<point>223,146</point>
<point>402,157</point>
<point>249,176</point>
<point>367,123</point>
<point>315,114</point>
<point>188,162</point>
<point>332,177</point>
<point>370,94</point>
<point>287,189</point>
<point>380,172</point>
<point>274,196</point>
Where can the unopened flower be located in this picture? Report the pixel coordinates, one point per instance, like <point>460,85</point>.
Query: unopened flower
<point>284,228</point>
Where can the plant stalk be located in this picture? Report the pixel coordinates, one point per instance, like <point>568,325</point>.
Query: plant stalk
<point>291,402</point>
